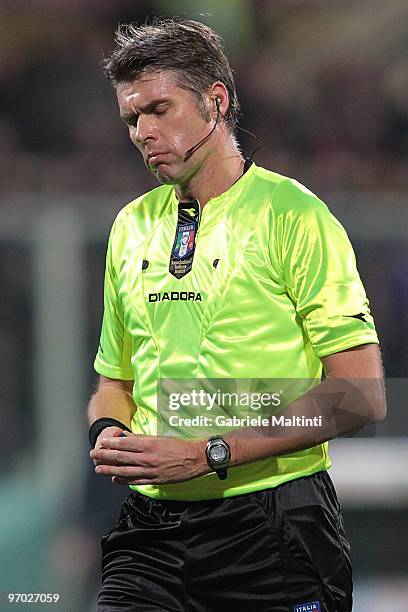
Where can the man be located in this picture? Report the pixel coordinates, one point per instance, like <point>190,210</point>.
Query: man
<point>226,271</point>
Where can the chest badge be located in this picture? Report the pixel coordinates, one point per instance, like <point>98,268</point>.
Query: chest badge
<point>182,253</point>
<point>185,241</point>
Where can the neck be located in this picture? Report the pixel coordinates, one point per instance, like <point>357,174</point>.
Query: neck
<point>219,169</point>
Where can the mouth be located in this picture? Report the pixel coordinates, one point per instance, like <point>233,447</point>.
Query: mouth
<point>153,159</point>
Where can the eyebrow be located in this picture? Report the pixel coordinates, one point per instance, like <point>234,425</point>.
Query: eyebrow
<point>145,109</point>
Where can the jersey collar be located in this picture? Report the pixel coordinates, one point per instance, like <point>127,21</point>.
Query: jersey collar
<point>239,184</point>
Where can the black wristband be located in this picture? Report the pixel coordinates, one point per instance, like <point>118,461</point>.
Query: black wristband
<point>100,424</point>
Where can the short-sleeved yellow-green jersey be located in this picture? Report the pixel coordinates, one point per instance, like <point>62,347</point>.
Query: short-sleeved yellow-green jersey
<point>260,284</point>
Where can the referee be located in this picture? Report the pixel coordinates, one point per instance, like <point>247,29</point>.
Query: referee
<point>225,271</point>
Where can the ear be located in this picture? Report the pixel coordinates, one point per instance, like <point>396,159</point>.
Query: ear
<point>219,99</point>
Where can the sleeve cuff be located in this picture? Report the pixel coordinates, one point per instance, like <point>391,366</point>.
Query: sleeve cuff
<point>106,369</point>
<point>341,344</point>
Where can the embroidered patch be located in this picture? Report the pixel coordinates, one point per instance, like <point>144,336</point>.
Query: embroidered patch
<point>182,253</point>
<point>184,241</point>
<point>313,606</point>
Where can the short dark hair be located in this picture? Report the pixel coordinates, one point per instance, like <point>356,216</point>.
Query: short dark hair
<point>189,48</point>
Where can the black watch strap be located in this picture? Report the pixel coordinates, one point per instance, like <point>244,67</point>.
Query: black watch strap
<point>222,474</point>
<point>100,424</point>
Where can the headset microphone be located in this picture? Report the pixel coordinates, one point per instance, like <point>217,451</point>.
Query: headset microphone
<point>194,148</point>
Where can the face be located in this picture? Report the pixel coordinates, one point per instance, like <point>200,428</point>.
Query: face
<point>164,121</point>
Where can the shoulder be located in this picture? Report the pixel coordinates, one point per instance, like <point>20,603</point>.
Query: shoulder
<point>297,216</point>
<point>264,182</point>
<point>149,206</point>
<point>287,195</point>
<point>139,217</point>
<point>292,198</point>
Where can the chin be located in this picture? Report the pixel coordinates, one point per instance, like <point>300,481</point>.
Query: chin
<point>165,176</point>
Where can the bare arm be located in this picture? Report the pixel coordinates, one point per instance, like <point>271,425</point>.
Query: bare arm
<point>351,397</point>
<point>112,399</point>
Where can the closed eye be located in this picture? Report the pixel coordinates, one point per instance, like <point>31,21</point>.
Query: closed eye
<point>155,108</point>
<point>160,110</point>
<point>131,120</point>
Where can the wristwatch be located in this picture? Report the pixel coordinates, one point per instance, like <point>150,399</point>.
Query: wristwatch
<point>218,456</point>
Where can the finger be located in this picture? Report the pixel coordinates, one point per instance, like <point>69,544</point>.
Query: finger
<point>122,481</point>
<point>94,456</point>
<point>131,481</point>
<point>118,432</point>
<point>125,471</point>
<point>135,442</point>
<point>119,457</point>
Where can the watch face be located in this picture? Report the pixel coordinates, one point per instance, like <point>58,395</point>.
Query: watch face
<point>218,453</point>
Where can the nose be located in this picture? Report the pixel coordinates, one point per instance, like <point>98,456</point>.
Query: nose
<point>143,131</point>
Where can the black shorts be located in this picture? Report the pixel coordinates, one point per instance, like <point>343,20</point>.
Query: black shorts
<point>282,550</point>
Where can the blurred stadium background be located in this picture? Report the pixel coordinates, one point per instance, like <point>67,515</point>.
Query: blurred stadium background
<point>325,86</point>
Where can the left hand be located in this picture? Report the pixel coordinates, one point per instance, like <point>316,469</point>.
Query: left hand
<point>141,460</point>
